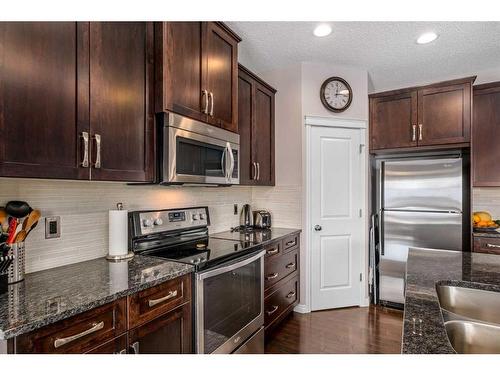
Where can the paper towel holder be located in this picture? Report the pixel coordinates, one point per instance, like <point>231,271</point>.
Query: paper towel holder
<point>120,258</point>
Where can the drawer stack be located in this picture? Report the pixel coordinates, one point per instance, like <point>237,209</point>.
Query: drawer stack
<point>281,279</point>
<point>489,245</point>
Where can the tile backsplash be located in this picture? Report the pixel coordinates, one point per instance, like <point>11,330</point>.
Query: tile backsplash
<point>487,199</point>
<point>83,207</point>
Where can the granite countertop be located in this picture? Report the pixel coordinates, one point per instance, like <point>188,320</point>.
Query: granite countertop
<point>489,234</point>
<point>259,236</point>
<point>48,296</point>
<point>423,330</point>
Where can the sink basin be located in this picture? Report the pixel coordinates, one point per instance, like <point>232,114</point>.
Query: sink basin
<point>473,337</point>
<point>472,304</point>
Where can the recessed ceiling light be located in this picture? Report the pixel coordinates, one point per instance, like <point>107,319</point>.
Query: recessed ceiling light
<point>322,30</point>
<point>427,38</point>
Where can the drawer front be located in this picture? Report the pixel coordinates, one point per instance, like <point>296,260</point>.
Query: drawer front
<point>291,242</point>
<point>278,268</point>
<point>153,302</point>
<point>280,300</point>
<point>273,250</point>
<point>490,245</point>
<point>78,334</point>
<point>115,346</point>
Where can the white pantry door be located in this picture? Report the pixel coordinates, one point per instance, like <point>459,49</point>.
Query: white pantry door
<point>337,199</point>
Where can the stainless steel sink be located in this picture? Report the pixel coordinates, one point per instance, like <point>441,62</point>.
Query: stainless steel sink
<point>471,304</point>
<point>473,337</point>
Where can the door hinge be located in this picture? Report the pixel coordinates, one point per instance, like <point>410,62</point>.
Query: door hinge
<point>360,276</point>
<point>360,212</point>
<point>361,145</point>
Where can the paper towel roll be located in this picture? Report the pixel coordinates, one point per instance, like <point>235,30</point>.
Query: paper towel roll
<point>118,232</point>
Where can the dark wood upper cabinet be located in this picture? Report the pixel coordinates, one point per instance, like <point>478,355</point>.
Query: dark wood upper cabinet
<point>179,65</point>
<point>256,104</point>
<point>121,111</point>
<point>221,51</point>
<point>196,71</point>
<point>65,87</point>
<point>486,135</point>
<point>393,121</point>
<point>43,99</point>
<point>437,115</point>
<point>444,114</point>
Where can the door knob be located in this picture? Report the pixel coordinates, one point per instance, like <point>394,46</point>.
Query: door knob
<point>317,228</point>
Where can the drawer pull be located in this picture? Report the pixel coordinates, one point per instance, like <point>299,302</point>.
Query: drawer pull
<point>273,276</point>
<point>154,302</point>
<point>274,309</point>
<point>290,243</point>
<point>272,252</point>
<point>290,295</point>
<point>66,340</point>
<point>490,245</point>
<point>290,265</point>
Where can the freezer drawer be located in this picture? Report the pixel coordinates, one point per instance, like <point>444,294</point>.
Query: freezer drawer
<point>405,229</point>
<point>424,184</point>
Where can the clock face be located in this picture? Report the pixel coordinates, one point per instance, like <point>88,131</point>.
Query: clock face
<point>336,94</point>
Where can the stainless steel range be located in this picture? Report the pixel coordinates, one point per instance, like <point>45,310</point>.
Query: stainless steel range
<point>228,278</point>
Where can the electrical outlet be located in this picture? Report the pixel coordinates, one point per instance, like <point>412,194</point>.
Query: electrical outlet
<point>235,209</point>
<point>53,227</point>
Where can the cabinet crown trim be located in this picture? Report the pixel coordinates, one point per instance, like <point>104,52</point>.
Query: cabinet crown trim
<point>256,77</point>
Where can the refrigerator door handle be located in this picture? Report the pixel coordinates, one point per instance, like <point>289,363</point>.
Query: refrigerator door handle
<point>380,233</point>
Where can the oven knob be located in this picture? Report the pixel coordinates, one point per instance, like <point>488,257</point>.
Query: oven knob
<point>192,261</point>
<point>202,216</point>
<point>158,221</point>
<point>195,216</point>
<point>147,223</point>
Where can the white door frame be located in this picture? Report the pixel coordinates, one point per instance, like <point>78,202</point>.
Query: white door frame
<point>337,122</point>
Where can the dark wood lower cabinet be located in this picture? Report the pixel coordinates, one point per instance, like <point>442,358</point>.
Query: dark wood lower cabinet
<point>108,330</point>
<point>171,333</point>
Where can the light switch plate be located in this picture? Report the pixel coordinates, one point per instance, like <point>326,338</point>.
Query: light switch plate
<point>53,227</point>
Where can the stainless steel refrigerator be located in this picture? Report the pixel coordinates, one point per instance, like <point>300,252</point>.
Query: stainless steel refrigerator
<point>419,203</point>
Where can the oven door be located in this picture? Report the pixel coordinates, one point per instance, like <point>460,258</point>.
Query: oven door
<point>198,157</point>
<point>229,305</point>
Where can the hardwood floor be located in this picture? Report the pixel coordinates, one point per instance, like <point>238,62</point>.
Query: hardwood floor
<point>351,330</point>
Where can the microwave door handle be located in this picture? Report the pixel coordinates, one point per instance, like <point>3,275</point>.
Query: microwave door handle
<point>222,163</point>
<point>231,157</point>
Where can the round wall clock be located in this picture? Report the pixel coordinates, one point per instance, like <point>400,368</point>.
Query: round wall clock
<point>336,94</point>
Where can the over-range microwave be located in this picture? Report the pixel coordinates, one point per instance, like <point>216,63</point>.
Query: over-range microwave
<point>193,152</point>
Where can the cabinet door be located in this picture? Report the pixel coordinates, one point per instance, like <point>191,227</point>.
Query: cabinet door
<point>263,135</point>
<point>486,137</point>
<point>245,124</point>
<point>444,114</point>
<point>121,114</point>
<point>43,99</point>
<point>221,53</point>
<point>393,121</point>
<point>169,334</point>
<point>179,69</point>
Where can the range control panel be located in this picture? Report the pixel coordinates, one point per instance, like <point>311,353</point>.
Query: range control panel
<point>167,220</point>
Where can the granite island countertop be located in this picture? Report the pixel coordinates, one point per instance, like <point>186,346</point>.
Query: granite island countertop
<point>423,328</point>
<point>48,296</point>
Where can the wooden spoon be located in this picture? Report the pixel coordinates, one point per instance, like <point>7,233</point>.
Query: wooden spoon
<point>32,218</point>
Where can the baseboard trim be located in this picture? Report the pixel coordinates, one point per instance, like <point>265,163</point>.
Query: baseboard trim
<point>302,309</point>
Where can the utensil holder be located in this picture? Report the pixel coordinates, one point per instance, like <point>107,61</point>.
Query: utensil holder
<point>16,269</point>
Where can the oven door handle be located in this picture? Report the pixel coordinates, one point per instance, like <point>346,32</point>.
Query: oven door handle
<point>230,267</point>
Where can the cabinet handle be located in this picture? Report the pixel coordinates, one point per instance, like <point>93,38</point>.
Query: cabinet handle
<point>291,243</point>
<point>254,175</point>
<point>85,161</point>
<point>97,163</point>
<point>273,310</point>
<point>290,295</point>
<point>272,252</point>
<point>66,340</point>
<point>123,351</point>
<point>258,171</point>
<point>490,245</point>
<point>204,94</point>
<point>134,348</point>
<point>154,302</point>
<point>290,265</point>
<point>211,96</point>
<point>420,132</point>
<point>273,276</point>
<point>414,133</point>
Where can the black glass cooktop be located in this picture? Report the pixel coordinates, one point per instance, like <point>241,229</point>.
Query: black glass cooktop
<point>205,252</point>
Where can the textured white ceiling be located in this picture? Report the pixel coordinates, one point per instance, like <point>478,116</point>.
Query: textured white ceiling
<point>386,49</point>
